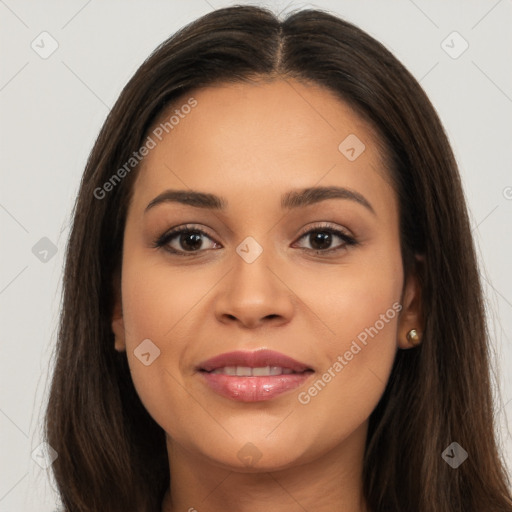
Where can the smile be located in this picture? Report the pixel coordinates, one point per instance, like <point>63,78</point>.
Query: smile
<point>247,371</point>
<point>253,376</point>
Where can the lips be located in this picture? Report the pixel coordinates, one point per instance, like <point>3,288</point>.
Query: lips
<point>252,376</point>
<point>247,371</point>
<point>255,359</point>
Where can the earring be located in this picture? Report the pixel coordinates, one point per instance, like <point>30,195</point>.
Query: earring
<point>413,337</point>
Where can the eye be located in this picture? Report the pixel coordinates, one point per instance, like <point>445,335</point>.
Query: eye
<point>188,240</point>
<point>183,240</point>
<point>322,237</point>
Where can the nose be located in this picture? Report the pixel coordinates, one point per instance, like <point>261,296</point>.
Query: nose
<point>255,294</point>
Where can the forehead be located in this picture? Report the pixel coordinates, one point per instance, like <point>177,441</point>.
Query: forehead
<point>261,136</point>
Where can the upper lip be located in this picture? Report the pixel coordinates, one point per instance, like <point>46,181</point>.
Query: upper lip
<point>252,359</point>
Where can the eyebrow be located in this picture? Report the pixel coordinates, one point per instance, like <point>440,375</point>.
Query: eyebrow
<point>290,200</point>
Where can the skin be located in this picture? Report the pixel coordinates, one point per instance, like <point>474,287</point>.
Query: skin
<point>250,143</point>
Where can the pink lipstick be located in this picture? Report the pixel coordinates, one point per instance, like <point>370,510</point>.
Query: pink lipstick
<point>253,376</point>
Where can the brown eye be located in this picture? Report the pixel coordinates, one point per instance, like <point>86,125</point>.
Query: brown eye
<point>321,239</point>
<point>183,240</point>
<point>190,241</point>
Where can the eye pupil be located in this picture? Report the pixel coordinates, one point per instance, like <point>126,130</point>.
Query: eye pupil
<point>321,240</point>
<point>193,240</point>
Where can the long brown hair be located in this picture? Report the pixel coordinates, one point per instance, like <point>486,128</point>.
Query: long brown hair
<point>111,453</point>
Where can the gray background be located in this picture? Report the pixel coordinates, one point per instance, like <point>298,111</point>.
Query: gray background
<point>52,110</point>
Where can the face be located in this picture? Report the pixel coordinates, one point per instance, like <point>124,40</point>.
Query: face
<point>299,255</point>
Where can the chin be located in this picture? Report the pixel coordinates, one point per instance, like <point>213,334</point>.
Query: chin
<point>257,456</point>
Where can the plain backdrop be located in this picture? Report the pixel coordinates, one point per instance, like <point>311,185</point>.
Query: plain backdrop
<point>52,110</point>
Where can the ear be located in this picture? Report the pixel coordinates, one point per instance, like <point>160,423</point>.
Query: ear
<point>411,316</point>
<point>117,315</point>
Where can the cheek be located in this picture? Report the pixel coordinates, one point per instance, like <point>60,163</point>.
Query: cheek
<point>158,301</point>
<point>361,307</point>
<point>352,297</point>
<point>156,305</point>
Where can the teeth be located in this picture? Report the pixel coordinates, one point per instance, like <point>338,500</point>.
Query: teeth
<point>263,371</point>
<point>246,371</point>
<point>243,371</point>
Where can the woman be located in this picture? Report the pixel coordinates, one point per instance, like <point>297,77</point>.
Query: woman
<point>271,296</point>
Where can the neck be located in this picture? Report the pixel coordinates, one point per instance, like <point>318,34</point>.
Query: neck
<point>330,482</point>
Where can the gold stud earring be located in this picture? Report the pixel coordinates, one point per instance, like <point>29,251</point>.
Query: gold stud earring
<point>413,337</point>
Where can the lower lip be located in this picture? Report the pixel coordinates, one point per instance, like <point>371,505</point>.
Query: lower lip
<point>254,389</point>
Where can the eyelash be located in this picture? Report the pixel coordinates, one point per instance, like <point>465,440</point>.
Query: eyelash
<point>162,241</point>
